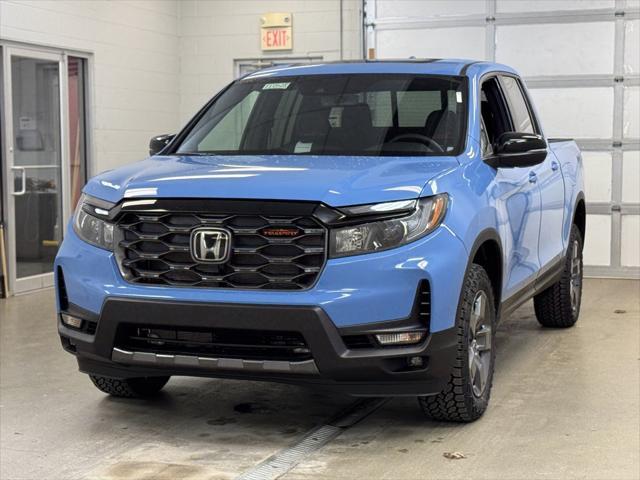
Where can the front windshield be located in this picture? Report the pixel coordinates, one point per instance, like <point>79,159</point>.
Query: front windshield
<point>359,114</point>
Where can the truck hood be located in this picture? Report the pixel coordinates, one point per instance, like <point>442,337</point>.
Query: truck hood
<point>334,180</point>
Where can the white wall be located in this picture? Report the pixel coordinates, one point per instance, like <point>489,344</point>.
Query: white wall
<point>135,47</point>
<point>214,34</point>
<point>157,62</point>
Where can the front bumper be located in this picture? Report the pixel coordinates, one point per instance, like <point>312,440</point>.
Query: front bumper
<point>352,295</point>
<point>362,372</point>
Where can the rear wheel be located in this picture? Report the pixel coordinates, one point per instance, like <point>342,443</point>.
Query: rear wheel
<point>129,387</point>
<point>466,396</point>
<point>559,305</point>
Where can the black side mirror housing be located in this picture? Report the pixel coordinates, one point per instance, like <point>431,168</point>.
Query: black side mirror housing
<point>157,144</point>
<point>518,149</point>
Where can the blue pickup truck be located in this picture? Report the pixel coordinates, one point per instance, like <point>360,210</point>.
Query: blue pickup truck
<point>356,226</point>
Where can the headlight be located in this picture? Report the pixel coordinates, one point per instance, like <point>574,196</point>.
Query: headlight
<point>90,228</point>
<point>382,235</point>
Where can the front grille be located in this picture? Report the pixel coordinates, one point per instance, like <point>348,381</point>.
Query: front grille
<point>214,342</point>
<point>155,249</point>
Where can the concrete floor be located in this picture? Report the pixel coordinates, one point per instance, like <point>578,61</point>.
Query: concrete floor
<point>565,405</point>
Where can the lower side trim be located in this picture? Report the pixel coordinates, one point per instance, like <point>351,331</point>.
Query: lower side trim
<point>547,277</point>
<point>307,367</point>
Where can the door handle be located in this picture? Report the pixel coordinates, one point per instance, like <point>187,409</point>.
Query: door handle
<point>23,184</point>
<point>533,178</point>
<point>555,165</point>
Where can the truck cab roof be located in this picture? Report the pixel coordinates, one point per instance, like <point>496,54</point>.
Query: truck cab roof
<point>424,66</point>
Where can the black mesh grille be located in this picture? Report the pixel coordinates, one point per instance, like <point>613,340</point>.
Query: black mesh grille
<point>216,343</point>
<point>155,249</point>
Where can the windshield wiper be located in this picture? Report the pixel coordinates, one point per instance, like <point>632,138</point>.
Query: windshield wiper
<point>196,154</point>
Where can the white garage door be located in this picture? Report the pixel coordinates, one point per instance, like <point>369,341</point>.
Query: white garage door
<point>581,61</point>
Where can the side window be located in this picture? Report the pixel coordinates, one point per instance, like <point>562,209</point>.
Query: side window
<point>495,117</point>
<point>520,115</point>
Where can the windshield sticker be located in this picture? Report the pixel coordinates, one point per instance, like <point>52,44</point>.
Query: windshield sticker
<point>459,97</point>
<point>276,86</point>
<point>302,147</point>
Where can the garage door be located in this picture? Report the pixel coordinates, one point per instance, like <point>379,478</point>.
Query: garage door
<point>581,61</point>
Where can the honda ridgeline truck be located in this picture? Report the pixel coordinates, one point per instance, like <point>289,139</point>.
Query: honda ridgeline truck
<point>356,226</point>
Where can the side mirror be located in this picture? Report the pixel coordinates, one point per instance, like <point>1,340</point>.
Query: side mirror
<point>517,149</point>
<point>157,144</point>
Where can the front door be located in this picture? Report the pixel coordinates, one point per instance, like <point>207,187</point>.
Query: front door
<point>547,176</point>
<point>34,170</point>
<point>517,197</point>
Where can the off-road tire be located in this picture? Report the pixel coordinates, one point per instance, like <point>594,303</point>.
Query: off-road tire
<point>553,306</point>
<point>129,387</point>
<point>458,402</point>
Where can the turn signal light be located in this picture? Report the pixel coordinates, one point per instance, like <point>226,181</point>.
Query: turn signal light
<point>69,321</point>
<point>400,338</point>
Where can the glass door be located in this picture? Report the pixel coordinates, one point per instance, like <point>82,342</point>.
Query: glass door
<point>35,172</point>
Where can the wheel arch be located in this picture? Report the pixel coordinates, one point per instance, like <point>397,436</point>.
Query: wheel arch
<point>580,215</point>
<point>487,252</point>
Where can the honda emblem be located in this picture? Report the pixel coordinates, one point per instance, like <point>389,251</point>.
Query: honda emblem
<point>210,245</point>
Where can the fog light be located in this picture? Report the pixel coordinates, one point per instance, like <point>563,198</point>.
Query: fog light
<point>415,362</point>
<point>400,338</point>
<point>70,321</point>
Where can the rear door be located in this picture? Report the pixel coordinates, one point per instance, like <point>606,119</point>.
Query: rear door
<point>547,175</point>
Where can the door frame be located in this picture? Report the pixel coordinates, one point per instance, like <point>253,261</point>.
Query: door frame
<point>7,50</point>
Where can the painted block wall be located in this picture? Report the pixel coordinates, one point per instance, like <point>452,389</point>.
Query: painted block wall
<point>156,62</point>
<point>135,88</point>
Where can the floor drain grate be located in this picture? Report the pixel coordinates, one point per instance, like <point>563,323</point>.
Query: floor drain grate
<point>283,461</point>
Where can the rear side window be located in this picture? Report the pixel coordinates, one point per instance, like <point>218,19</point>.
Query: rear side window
<point>520,115</point>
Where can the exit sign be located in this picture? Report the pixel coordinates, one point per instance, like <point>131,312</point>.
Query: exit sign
<point>276,38</point>
<point>276,32</point>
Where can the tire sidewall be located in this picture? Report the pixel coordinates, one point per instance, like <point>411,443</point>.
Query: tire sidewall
<point>575,235</point>
<point>476,280</point>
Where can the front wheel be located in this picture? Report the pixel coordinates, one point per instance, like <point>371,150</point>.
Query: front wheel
<point>129,387</point>
<point>466,396</point>
<point>559,305</point>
